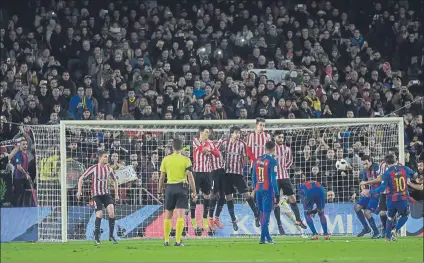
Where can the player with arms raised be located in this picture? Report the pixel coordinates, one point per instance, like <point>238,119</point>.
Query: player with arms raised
<point>264,177</point>
<point>202,148</point>
<point>312,193</point>
<point>284,157</point>
<point>368,203</point>
<point>395,179</point>
<point>101,173</point>
<point>235,157</point>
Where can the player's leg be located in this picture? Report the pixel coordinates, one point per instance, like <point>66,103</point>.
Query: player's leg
<point>382,207</point>
<point>213,199</point>
<point>229,190</point>
<point>205,187</point>
<point>320,204</point>
<point>197,181</point>
<point>181,204</point>
<point>170,202</point>
<point>277,211</point>
<point>289,191</point>
<point>241,186</point>
<point>363,202</point>
<point>260,200</point>
<point>308,205</point>
<point>221,198</point>
<point>110,208</point>
<point>98,206</point>
<point>403,211</point>
<point>391,213</point>
<point>268,208</point>
<point>372,208</point>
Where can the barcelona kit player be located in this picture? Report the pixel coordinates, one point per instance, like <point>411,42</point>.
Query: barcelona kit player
<point>395,179</point>
<point>368,203</point>
<point>264,176</point>
<point>312,193</point>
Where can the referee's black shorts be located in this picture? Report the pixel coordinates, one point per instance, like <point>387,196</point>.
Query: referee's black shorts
<point>235,181</point>
<point>218,181</point>
<point>382,202</point>
<point>203,182</point>
<point>102,200</point>
<point>176,196</point>
<point>286,186</point>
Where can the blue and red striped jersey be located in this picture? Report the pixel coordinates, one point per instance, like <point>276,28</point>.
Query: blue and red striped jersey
<point>308,187</point>
<point>22,159</point>
<point>395,179</point>
<point>371,174</point>
<point>264,174</point>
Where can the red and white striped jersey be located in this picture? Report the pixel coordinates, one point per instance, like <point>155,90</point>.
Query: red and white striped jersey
<point>284,157</point>
<point>383,168</point>
<point>256,143</point>
<point>100,178</point>
<point>216,161</point>
<point>201,160</point>
<point>235,153</point>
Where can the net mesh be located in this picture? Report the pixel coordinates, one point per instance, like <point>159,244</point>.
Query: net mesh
<point>136,152</point>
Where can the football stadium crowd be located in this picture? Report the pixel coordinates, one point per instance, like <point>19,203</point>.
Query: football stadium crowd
<point>211,60</point>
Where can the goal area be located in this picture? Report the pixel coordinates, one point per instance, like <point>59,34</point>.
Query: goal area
<point>136,148</point>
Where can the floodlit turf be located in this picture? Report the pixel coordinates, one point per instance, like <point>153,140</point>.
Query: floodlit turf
<point>340,249</point>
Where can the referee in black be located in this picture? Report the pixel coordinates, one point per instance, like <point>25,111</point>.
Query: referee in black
<point>177,169</point>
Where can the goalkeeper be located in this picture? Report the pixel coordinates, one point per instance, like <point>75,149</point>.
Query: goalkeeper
<point>177,168</point>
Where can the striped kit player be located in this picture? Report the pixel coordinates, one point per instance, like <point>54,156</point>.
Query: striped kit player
<point>284,157</point>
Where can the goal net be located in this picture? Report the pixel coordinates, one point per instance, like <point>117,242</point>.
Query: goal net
<point>65,151</point>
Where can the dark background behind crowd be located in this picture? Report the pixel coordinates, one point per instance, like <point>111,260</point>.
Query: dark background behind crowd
<point>191,60</point>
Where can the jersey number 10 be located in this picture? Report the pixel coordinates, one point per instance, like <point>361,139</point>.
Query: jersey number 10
<point>400,184</point>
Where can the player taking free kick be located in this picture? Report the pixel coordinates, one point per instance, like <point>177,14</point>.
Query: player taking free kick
<point>177,168</point>
<point>264,177</point>
<point>101,174</point>
<point>395,179</point>
<point>312,193</point>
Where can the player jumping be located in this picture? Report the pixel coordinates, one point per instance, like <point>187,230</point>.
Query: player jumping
<point>264,175</point>
<point>395,179</point>
<point>101,174</point>
<point>235,157</point>
<point>202,147</point>
<point>284,157</point>
<point>312,193</point>
<point>369,203</point>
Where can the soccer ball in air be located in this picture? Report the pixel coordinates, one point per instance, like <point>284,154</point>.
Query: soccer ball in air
<point>341,165</point>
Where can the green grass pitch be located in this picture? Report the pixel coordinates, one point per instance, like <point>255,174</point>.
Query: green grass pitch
<point>342,249</point>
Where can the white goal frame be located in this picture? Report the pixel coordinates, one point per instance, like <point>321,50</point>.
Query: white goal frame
<point>64,124</point>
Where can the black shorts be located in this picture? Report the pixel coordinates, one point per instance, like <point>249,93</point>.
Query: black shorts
<point>176,196</point>
<point>218,183</point>
<point>382,202</point>
<point>286,186</point>
<point>203,182</point>
<point>235,181</point>
<point>102,200</point>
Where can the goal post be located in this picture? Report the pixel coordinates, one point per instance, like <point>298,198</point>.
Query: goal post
<point>137,147</point>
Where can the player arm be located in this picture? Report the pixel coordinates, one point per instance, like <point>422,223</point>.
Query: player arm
<point>115,183</point>
<point>250,146</point>
<point>373,181</point>
<point>215,152</point>
<point>274,181</point>
<point>197,146</point>
<point>162,176</point>
<point>87,173</point>
<point>382,187</point>
<point>254,177</point>
<point>289,161</point>
<point>419,187</point>
<point>13,152</point>
<point>190,177</point>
